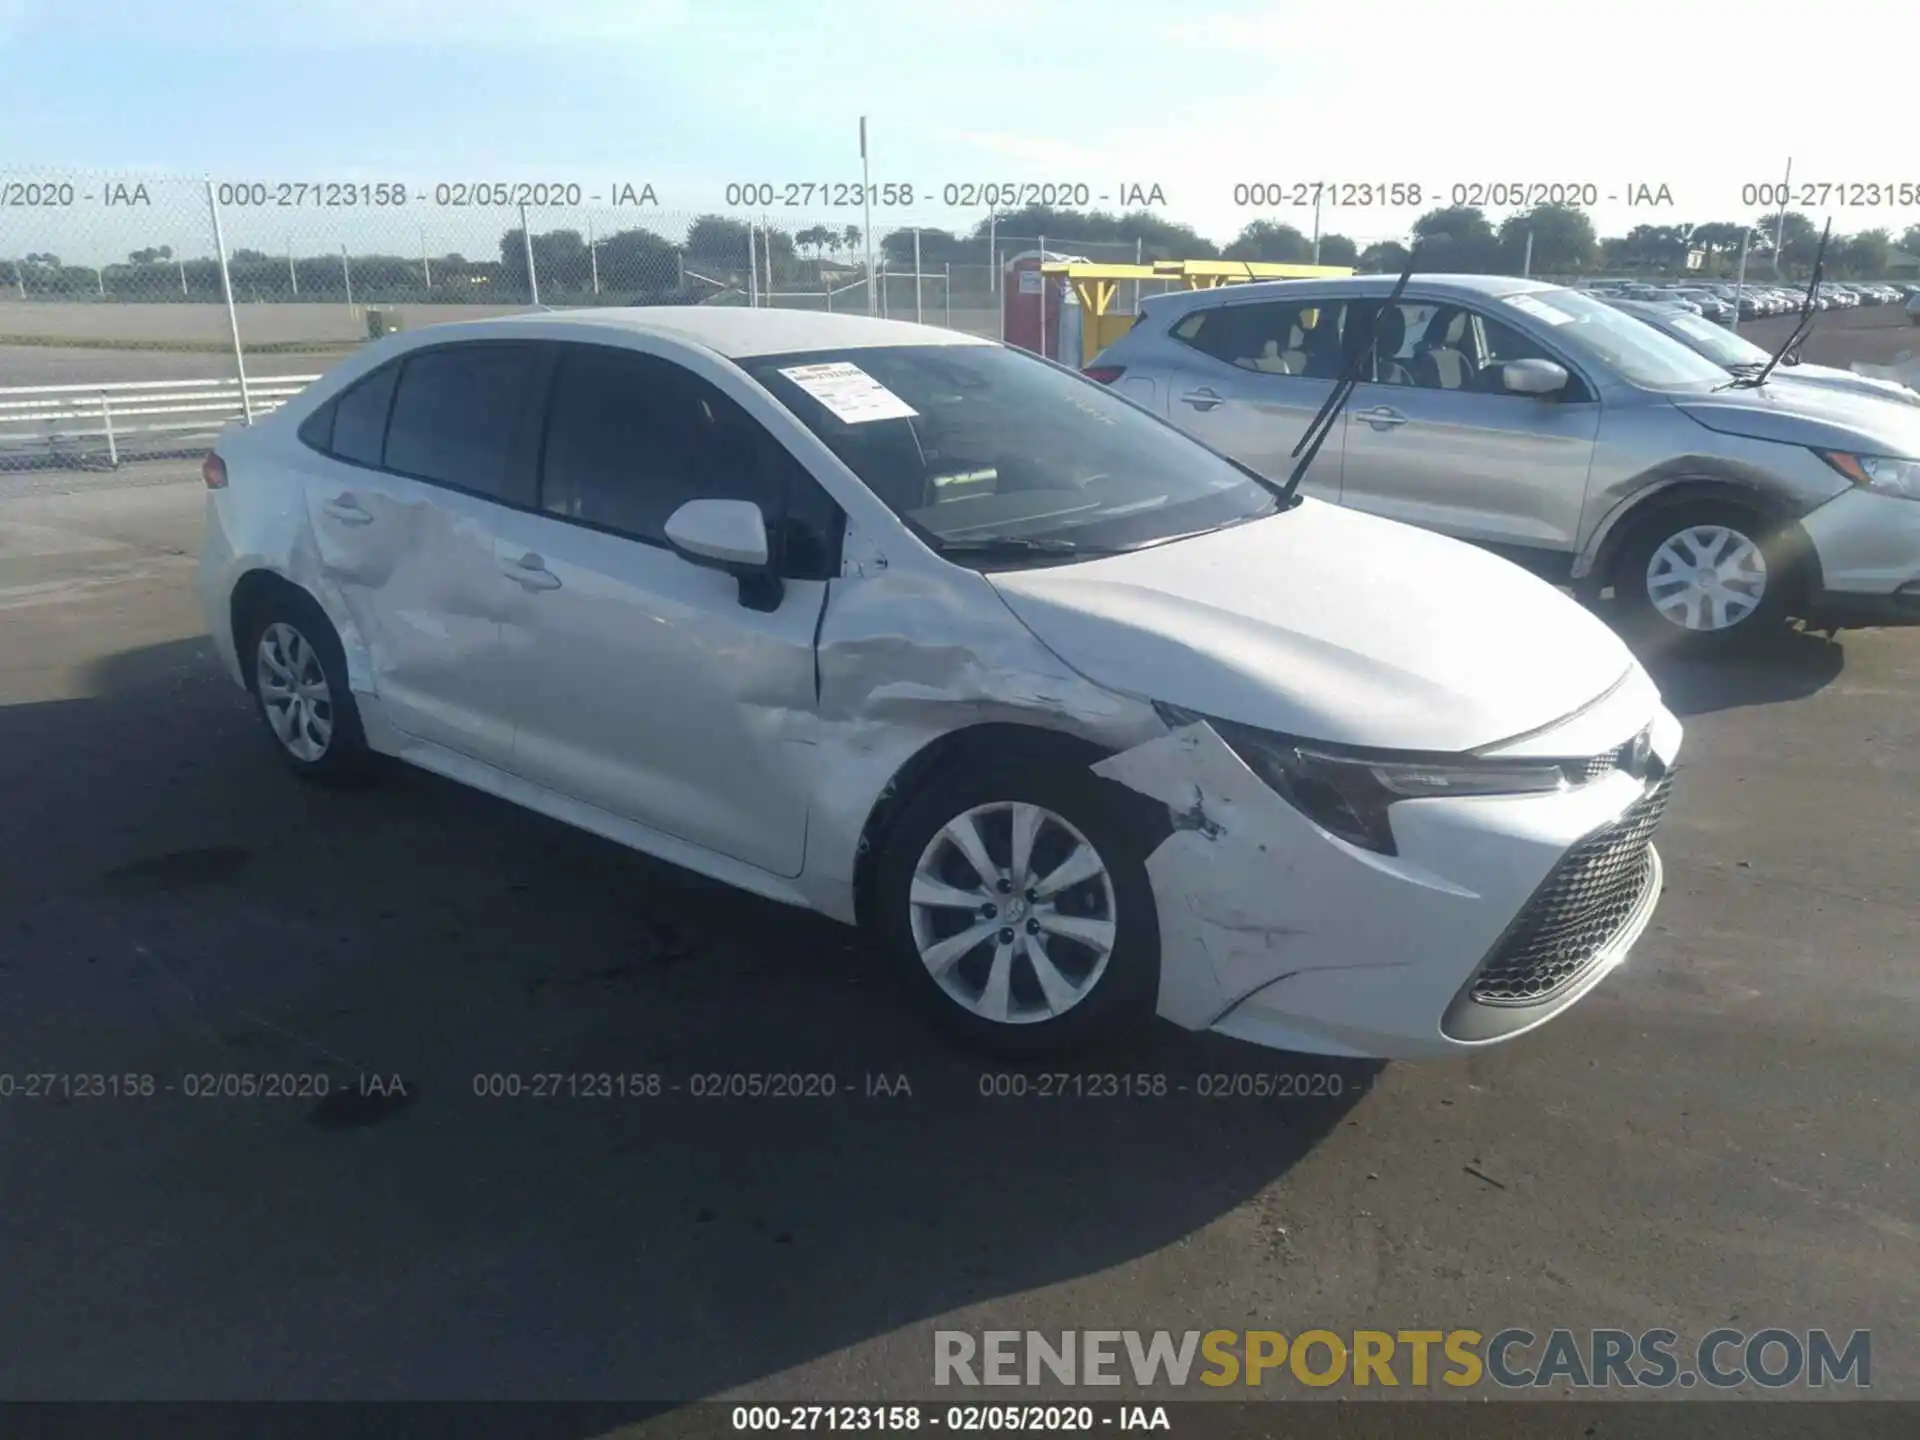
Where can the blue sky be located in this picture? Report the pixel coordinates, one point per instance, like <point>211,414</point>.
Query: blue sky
<point>692,94</point>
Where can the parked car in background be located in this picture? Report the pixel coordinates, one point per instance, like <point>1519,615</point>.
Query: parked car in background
<point>1081,720</point>
<point>1742,357</point>
<point>1550,425</point>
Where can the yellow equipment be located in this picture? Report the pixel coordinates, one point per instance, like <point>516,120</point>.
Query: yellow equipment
<point>1095,285</point>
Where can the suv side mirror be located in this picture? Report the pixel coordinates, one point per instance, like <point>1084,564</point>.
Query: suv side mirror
<point>729,535</point>
<point>1533,377</point>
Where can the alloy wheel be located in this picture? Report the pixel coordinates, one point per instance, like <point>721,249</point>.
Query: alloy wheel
<point>1012,910</point>
<point>294,691</point>
<point>1706,578</point>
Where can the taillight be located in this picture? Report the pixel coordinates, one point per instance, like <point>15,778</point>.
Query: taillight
<point>1105,374</point>
<point>213,470</point>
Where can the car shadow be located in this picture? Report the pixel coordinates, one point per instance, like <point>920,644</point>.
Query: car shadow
<point>1788,665</point>
<point>331,1167</point>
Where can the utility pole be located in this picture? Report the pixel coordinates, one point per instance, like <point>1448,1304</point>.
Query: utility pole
<point>866,200</point>
<point>1740,280</point>
<point>526,243</point>
<point>1780,220</point>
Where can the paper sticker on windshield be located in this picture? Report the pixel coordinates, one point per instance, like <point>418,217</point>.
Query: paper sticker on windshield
<point>853,396</point>
<point>1539,310</point>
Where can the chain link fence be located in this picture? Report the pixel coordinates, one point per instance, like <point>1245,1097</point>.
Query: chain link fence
<point>140,313</point>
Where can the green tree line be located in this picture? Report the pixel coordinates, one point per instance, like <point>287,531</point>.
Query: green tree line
<point>640,266</point>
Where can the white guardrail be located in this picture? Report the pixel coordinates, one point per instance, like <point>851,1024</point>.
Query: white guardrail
<point>74,422</point>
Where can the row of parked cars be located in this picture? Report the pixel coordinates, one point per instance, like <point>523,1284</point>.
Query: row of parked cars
<point>1722,303</point>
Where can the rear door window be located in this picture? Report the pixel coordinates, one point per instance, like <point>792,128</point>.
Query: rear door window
<point>360,417</point>
<point>1292,337</point>
<point>457,413</point>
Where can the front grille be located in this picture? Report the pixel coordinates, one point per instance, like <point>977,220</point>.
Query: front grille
<point>1600,766</point>
<point>1582,906</point>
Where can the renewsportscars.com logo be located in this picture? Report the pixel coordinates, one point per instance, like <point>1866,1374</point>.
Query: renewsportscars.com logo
<point>1514,1358</point>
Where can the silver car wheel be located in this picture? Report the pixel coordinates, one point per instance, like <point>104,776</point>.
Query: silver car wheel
<point>294,691</point>
<point>1706,578</point>
<point>1013,913</point>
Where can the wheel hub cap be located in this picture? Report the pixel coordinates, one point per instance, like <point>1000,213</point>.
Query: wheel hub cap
<point>294,692</point>
<point>1012,911</point>
<point>1707,578</point>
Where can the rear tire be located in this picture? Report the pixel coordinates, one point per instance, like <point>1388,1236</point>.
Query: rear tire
<point>1704,578</point>
<point>1026,960</point>
<point>297,674</point>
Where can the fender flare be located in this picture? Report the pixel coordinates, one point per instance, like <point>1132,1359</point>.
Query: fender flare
<point>1593,568</point>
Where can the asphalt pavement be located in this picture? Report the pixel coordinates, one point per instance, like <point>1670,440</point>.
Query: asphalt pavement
<point>1723,1134</point>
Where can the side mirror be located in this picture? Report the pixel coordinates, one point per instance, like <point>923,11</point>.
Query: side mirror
<point>1533,377</point>
<point>729,535</point>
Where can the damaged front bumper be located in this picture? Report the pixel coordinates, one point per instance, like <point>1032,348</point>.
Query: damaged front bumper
<point>1274,931</point>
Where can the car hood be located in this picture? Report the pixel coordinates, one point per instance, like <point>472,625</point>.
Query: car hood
<point>1811,414</point>
<point>1831,377</point>
<point>1330,625</point>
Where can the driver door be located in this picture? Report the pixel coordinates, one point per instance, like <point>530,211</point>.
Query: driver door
<point>638,682</point>
<point>1455,452</point>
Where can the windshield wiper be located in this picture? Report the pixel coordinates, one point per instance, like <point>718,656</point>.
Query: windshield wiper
<point>1808,313</point>
<point>1018,545</point>
<point>1323,422</point>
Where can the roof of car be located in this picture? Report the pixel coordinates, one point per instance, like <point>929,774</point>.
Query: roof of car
<point>1443,287</point>
<point>740,332</point>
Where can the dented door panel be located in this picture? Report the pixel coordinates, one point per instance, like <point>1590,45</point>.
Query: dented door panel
<point>641,685</point>
<point>413,567</point>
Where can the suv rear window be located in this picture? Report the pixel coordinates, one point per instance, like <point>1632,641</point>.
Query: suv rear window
<point>1275,337</point>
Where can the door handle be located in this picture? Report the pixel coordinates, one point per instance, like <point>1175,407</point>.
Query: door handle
<point>1201,399</point>
<point>531,572</point>
<point>1381,418</point>
<point>347,511</point>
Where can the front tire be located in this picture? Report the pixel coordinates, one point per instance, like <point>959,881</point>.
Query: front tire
<point>297,673</point>
<point>1705,578</point>
<point>1014,904</point>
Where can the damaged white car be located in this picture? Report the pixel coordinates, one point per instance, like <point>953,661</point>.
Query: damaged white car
<point>1083,720</point>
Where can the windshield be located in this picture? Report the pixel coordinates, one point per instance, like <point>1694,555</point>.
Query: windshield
<point>1719,345</point>
<point>1595,331</point>
<point>978,445</point>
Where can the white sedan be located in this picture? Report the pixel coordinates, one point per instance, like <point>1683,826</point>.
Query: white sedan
<point>1081,720</point>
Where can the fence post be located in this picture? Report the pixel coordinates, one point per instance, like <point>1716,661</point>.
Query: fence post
<point>19,279</point>
<point>179,260</point>
<point>106,414</point>
<point>753,268</point>
<point>293,275</point>
<point>1740,282</point>
<point>233,315</point>
<point>995,281</point>
<point>1043,297</point>
<point>526,241</point>
<point>593,257</point>
<point>1139,258</point>
<point>346,274</point>
<point>917,318</point>
<point>1526,261</point>
<point>766,234</point>
<point>426,264</point>
<point>947,282</point>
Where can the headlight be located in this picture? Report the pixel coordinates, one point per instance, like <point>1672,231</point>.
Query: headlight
<point>1877,472</point>
<point>1348,794</point>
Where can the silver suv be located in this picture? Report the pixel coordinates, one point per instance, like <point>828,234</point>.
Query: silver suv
<point>1545,424</point>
